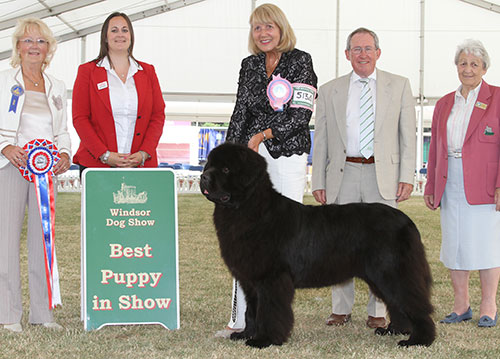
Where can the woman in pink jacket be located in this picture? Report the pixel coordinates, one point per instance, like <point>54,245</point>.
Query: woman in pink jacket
<point>464,180</point>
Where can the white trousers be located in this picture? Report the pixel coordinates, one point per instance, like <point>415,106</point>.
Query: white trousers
<point>359,184</point>
<point>288,175</point>
<point>15,194</point>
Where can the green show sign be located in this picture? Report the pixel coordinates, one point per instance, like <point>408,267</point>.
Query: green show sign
<point>129,248</point>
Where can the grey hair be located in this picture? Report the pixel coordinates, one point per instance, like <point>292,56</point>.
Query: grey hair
<point>362,30</point>
<point>475,48</point>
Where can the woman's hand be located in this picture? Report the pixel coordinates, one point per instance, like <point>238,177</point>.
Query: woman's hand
<point>497,199</point>
<point>429,201</point>
<point>116,159</point>
<point>259,137</point>
<point>255,141</point>
<point>127,160</point>
<point>15,155</point>
<point>62,165</point>
<point>135,159</point>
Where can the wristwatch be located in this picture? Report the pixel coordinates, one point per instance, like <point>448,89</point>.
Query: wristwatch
<point>105,157</point>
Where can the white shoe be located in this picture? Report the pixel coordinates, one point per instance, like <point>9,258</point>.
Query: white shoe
<point>226,332</point>
<point>15,327</point>
<point>53,326</point>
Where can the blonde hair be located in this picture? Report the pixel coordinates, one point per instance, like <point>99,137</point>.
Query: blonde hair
<point>26,26</point>
<point>267,13</point>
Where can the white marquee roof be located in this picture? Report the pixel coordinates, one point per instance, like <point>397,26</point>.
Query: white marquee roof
<point>197,45</point>
<point>74,19</point>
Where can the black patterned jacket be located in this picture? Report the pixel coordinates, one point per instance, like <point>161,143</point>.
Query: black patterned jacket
<point>253,113</point>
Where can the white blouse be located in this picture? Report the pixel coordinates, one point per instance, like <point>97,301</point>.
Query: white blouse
<point>459,119</point>
<point>36,119</point>
<point>124,103</point>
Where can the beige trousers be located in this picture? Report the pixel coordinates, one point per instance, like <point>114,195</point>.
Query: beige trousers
<point>359,184</point>
<point>15,194</point>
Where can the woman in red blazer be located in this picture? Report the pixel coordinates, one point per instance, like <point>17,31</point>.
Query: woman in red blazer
<point>463,178</point>
<point>118,108</point>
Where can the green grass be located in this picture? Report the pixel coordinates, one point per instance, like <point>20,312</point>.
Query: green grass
<point>205,291</point>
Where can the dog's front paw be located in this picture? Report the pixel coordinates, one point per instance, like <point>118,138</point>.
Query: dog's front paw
<point>391,330</point>
<point>240,335</point>
<point>404,343</point>
<point>383,331</point>
<point>411,342</point>
<point>259,343</point>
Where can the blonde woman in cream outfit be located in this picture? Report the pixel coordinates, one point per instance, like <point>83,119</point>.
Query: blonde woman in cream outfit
<point>39,113</point>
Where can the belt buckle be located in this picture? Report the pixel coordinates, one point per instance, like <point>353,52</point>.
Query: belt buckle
<point>456,154</point>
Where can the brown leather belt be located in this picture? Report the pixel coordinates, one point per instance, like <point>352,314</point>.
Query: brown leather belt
<point>361,160</point>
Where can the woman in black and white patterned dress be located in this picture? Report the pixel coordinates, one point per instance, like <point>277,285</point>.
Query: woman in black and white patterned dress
<point>279,132</point>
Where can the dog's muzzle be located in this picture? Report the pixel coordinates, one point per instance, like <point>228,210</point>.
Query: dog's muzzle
<point>213,195</point>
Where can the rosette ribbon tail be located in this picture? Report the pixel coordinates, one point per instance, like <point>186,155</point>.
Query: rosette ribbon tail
<point>44,186</point>
<point>42,156</point>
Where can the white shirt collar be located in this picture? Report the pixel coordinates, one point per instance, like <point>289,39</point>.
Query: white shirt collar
<point>474,92</point>
<point>134,66</point>
<point>355,77</point>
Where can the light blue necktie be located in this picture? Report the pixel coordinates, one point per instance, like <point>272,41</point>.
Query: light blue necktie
<point>366,120</point>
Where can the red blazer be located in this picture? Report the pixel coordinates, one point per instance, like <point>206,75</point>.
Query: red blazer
<point>93,116</point>
<point>480,152</point>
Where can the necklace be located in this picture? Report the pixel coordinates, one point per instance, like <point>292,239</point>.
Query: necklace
<point>122,76</point>
<point>270,68</point>
<point>34,82</point>
<point>275,62</point>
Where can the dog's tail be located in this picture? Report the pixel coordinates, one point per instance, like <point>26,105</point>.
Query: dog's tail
<point>416,298</point>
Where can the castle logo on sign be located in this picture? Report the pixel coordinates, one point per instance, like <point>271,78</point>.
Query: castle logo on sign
<point>128,194</point>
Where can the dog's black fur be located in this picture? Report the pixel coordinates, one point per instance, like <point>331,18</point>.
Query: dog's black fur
<point>273,245</point>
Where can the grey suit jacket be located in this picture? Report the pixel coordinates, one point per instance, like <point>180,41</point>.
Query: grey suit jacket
<point>394,137</point>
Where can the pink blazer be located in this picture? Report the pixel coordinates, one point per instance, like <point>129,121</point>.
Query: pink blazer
<point>480,152</point>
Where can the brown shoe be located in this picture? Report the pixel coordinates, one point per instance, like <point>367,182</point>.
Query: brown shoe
<point>338,319</point>
<point>376,322</point>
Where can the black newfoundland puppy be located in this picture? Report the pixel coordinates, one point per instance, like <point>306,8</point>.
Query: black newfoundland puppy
<point>273,245</point>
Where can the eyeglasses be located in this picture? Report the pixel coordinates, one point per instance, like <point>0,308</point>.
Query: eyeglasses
<point>358,49</point>
<point>30,42</point>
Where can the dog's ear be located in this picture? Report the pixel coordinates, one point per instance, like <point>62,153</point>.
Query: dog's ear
<point>255,167</point>
<point>257,161</point>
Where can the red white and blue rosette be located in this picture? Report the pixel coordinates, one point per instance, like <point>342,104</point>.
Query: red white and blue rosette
<point>42,156</point>
<point>279,92</point>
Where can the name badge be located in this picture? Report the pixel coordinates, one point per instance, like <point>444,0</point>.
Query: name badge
<point>303,96</point>
<point>481,105</point>
<point>102,85</point>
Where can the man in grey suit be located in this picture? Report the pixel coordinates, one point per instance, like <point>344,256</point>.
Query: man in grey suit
<point>364,148</point>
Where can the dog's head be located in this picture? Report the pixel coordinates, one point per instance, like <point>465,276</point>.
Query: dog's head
<point>232,173</point>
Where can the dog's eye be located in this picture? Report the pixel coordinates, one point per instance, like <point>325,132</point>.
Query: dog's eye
<point>225,170</point>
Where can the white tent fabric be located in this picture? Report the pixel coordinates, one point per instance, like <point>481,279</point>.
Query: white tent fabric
<point>197,49</point>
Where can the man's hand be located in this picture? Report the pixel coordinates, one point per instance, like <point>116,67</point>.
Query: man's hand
<point>404,191</point>
<point>320,196</point>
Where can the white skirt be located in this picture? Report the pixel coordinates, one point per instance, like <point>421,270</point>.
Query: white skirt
<point>471,233</point>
